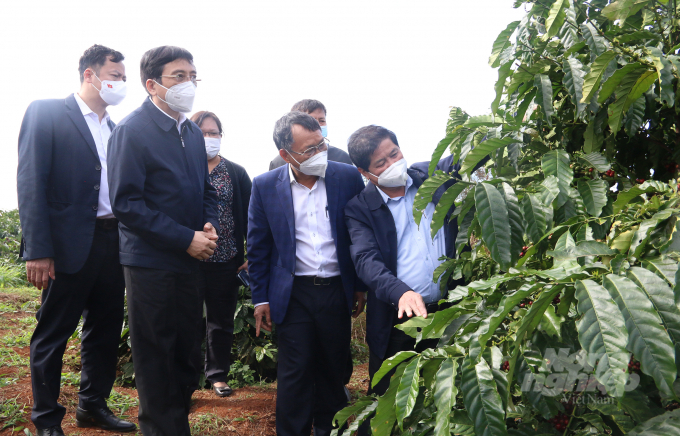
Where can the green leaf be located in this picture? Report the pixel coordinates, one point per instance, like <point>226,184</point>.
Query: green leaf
<point>622,9</point>
<point>426,191</point>
<point>441,147</point>
<point>385,413</point>
<point>591,82</point>
<point>481,151</point>
<point>548,190</point>
<point>391,363</point>
<point>619,106</point>
<point>583,249</point>
<point>573,81</point>
<point>594,195</point>
<point>503,73</point>
<point>551,323</point>
<point>556,163</point>
<point>440,320</point>
<point>664,267</point>
<point>610,84</point>
<point>665,73</point>
<point>407,392</point>
<point>555,18</point>
<point>647,338</point>
<point>574,49</point>
<point>597,44</point>
<point>626,196</point>
<point>444,205</point>
<point>592,138</point>
<point>635,117</point>
<point>535,314</point>
<point>602,334</point>
<point>501,43</point>
<point>343,415</point>
<point>361,417</point>
<point>662,425</point>
<point>535,217</point>
<point>493,219</point>
<point>595,160</point>
<point>646,79</point>
<point>639,240</point>
<point>482,400</point>
<point>483,120</point>
<point>565,242</point>
<point>445,392</point>
<point>661,296</point>
<point>544,93</point>
<point>515,220</point>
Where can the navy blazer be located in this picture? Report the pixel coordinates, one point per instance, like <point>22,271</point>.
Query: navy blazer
<point>58,181</point>
<point>159,188</point>
<point>271,235</point>
<point>374,253</point>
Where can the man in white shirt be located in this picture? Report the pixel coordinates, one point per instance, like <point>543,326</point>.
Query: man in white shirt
<point>301,274</point>
<point>71,241</point>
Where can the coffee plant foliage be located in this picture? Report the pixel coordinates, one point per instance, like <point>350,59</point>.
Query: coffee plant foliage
<point>569,322</point>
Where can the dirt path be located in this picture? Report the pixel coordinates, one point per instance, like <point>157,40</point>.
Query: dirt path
<point>249,411</point>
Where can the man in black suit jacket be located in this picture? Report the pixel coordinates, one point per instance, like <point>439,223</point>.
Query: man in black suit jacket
<point>71,241</point>
<point>318,111</point>
<point>161,193</point>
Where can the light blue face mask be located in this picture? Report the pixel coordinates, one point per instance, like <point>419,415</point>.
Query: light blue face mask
<point>324,131</point>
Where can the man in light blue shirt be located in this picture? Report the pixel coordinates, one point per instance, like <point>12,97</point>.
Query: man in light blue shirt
<point>393,256</point>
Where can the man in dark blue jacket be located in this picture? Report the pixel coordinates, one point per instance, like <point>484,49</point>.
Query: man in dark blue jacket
<point>70,241</point>
<point>393,256</point>
<point>160,192</point>
<point>301,274</point>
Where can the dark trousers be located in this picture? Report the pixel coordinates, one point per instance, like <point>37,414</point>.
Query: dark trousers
<point>165,314</point>
<point>97,292</point>
<point>219,285</point>
<point>313,347</point>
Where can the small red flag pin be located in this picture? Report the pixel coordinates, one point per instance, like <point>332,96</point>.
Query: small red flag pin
<point>109,85</point>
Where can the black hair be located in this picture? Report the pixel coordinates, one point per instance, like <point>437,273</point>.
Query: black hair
<point>283,129</point>
<point>153,61</point>
<point>95,57</point>
<point>362,144</point>
<point>308,106</point>
<point>199,117</point>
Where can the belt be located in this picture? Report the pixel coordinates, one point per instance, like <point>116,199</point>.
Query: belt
<point>107,223</point>
<point>318,281</point>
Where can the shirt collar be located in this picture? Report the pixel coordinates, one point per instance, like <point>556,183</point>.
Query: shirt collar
<point>386,198</point>
<point>292,176</point>
<point>182,117</point>
<point>85,109</point>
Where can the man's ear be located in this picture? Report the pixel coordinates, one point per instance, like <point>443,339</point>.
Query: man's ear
<point>151,87</point>
<point>364,173</point>
<point>87,76</point>
<point>284,155</point>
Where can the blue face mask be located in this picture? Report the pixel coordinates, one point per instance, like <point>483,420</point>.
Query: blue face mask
<point>324,131</point>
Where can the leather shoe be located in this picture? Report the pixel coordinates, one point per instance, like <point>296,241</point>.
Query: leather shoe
<point>102,418</point>
<point>52,431</point>
<point>223,392</point>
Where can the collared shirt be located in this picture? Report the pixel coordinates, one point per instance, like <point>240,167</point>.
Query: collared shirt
<point>315,251</point>
<point>182,117</point>
<point>100,133</point>
<point>417,252</point>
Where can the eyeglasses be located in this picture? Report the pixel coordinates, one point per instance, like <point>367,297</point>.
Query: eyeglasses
<point>311,151</point>
<point>212,135</point>
<point>181,78</point>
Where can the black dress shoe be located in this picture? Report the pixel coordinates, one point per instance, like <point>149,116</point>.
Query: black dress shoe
<point>223,392</point>
<point>52,431</point>
<point>102,418</point>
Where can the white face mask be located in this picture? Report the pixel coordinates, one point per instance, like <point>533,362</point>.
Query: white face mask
<point>315,165</point>
<point>212,147</point>
<point>394,176</point>
<point>112,91</point>
<point>180,97</point>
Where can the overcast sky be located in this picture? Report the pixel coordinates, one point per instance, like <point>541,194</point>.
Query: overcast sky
<point>393,63</point>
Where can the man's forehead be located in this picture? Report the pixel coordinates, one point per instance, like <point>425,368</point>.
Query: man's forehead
<point>303,138</point>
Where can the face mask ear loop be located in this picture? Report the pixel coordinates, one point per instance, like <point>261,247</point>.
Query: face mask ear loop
<point>100,81</point>
<point>298,168</point>
<point>159,97</point>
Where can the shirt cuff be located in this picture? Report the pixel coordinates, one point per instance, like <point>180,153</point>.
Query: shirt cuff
<point>260,304</point>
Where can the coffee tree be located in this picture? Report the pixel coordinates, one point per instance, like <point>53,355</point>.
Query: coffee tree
<point>570,319</point>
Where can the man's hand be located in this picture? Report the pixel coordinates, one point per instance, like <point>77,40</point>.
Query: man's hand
<point>411,303</point>
<point>244,266</point>
<point>202,246</point>
<point>39,272</point>
<point>210,230</point>
<point>359,303</point>
<point>262,312</point>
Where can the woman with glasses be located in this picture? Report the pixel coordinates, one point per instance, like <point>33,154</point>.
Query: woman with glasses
<point>218,278</point>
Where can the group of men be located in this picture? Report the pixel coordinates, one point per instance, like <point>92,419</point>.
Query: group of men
<point>112,212</point>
